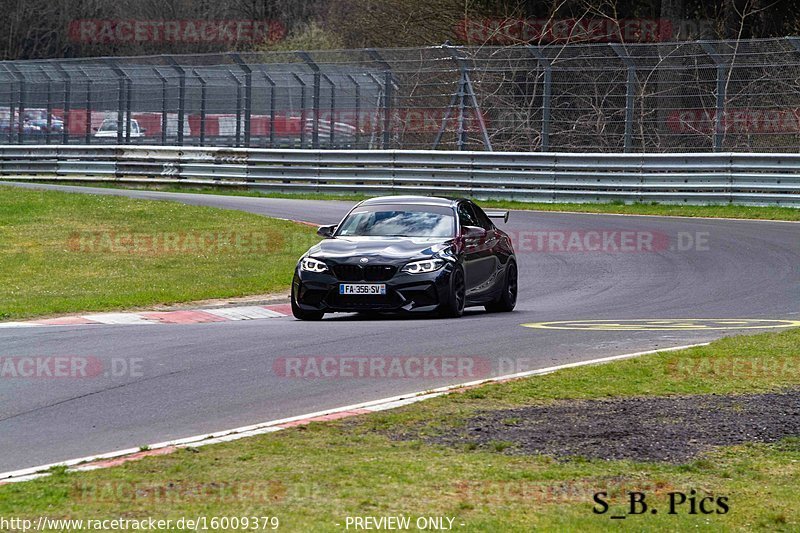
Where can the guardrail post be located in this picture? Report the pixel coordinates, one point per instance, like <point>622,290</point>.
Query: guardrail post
<point>248,96</point>
<point>67,100</point>
<point>722,70</point>
<point>317,86</point>
<point>181,97</point>
<point>547,92</point>
<point>630,87</point>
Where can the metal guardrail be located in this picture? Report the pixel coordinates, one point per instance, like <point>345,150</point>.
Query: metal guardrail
<point>709,178</point>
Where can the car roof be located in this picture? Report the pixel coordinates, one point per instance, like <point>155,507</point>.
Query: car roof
<point>413,200</point>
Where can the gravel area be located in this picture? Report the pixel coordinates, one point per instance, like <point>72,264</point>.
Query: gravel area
<point>671,429</point>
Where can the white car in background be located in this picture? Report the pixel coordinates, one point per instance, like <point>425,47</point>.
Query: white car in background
<point>109,129</point>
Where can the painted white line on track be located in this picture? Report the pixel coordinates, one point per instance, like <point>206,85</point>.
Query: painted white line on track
<point>243,313</point>
<point>27,474</point>
<point>119,318</point>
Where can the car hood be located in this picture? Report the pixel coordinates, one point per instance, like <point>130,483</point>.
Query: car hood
<point>389,249</point>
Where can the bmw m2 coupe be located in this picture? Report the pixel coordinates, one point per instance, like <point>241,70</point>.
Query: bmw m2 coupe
<point>408,254</point>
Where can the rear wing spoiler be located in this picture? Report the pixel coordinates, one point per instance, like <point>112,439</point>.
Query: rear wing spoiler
<point>498,214</point>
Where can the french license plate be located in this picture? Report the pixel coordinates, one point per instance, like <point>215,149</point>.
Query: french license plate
<point>362,288</point>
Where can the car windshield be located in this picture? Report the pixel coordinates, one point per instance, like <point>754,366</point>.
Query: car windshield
<point>398,221</point>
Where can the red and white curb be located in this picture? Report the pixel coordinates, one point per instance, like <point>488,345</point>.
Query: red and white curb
<point>119,457</point>
<point>191,316</point>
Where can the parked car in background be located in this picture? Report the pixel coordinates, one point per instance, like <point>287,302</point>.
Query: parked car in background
<point>109,129</point>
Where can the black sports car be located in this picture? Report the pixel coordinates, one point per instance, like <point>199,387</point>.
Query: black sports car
<point>408,254</point>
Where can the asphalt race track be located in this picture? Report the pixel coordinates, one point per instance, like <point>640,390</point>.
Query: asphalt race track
<point>205,377</point>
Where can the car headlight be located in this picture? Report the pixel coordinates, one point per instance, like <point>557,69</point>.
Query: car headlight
<point>423,267</point>
<point>309,264</point>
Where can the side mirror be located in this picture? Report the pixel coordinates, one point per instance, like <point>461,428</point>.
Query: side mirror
<point>326,231</point>
<point>142,130</point>
<point>473,232</point>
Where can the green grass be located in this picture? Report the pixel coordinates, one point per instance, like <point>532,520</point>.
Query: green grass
<point>712,211</point>
<point>313,477</point>
<point>67,252</point>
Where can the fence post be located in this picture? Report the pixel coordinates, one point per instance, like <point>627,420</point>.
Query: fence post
<point>202,81</point>
<point>122,80</point>
<point>11,103</point>
<point>88,125</point>
<point>302,108</point>
<point>67,100</point>
<point>316,95</point>
<point>181,97</point>
<point>722,68</point>
<point>164,98</point>
<point>21,107</point>
<point>357,110</point>
<point>630,86</point>
<point>238,107</point>
<point>388,86</point>
<point>332,118</point>
<point>271,108</point>
<point>248,96</point>
<point>547,91</point>
<point>49,106</point>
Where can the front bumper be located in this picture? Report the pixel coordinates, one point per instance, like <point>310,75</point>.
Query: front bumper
<point>404,293</point>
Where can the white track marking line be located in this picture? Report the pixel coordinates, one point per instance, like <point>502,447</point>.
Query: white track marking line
<point>229,435</point>
<point>119,318</point>
<point>243,313</point>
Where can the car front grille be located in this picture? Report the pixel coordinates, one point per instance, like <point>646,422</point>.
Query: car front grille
<point>368,273</point>
<point>379,272</point>
<point>348,272</point>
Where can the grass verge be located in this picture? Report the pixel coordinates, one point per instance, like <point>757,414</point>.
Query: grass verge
<point>314,477</point>
<point>66,252</point>
<point>710,211</point>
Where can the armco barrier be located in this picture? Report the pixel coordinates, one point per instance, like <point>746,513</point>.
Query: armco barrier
<point>711,178</point>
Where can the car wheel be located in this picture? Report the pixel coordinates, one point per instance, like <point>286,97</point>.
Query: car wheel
<point>302,314</point>
<point>454,307</point>
<point>508,298</point>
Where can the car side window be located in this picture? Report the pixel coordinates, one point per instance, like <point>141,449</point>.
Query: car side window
<point>482,218</point>
<point>466,215</point>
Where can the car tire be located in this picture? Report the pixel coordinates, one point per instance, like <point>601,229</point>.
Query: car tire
<point>454,307</point>
<point>302,314</point>
<point>508,298</point>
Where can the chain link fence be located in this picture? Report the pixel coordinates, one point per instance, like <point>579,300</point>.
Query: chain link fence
<point>666,97</point>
